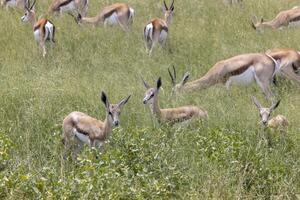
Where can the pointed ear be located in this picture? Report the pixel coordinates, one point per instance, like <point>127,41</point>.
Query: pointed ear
<point>256,102</point>
<point>185,78</point>
<point>158,83</point>
<point>274,106</point>
<point>104,99</point>
<point>123,102</point>
<point>145,83</point>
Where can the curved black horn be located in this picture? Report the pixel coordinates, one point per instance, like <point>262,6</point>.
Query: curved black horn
<point>32,5</point>
<point>166,7</point>
<point>172,78</point>
<point>172,5</point>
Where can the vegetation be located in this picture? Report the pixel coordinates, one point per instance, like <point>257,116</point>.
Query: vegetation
<point>229,156</point>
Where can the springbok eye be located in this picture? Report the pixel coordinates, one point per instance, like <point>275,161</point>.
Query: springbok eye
<point>152,95</point>
<point>110,113</point>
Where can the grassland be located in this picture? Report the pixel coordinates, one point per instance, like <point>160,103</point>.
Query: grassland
<point>225,157</point>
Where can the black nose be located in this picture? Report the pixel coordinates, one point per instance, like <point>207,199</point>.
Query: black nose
<point>264,122</point>
<point>144,101</point>
<point>116,123</point>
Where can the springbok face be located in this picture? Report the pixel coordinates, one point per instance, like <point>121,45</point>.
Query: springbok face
<point>265,113</point>
<point>151,93</point>
<point>168,12</point>
<point>29,13</point>
<point>113,110</point>
<point>184,80</point>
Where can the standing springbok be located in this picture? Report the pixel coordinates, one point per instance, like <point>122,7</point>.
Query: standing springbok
<point>156,31</point>
<point>278,123</point>
<point>43,29</point>
<point>116,14</point>
<point>60,6</point>
<point>170,115</point>
<point>289,61</point>
<point>14,3</point>
<point>241,70</point>
<point>284,18</point>
<point>88,130</point>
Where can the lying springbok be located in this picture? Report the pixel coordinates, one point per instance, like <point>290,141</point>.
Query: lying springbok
<point>241,70</point>
<point>43,29</point>
<point>289,61</point>
<point>88,130</point>
<point>277,123</point>
<point>61,6</point>
<point>116,14</point>
<point>290,18</point>
<point>170,115</point>
<point>156,31</point>
<point>14,3</point>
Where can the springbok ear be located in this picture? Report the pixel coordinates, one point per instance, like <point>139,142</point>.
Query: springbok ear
<point>158,83</point>
<point>185,78</point>
<point>104,99</point>
<point>274,106</point>
<point>145,83</point>
<point>256,102</point>
<point>123,102</point>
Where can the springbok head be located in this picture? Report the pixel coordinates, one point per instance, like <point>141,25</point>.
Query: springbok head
<point>29,12</point>
<point>151,92</point>
<point>113,111</point>
<point>168,12</point>
<point>265,113</point>
<point>184,80</point>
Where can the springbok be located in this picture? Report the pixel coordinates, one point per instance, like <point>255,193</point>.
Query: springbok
<point>278,123</point>
<point>14,3</point>
<point>241,70</point>
<point>43,29</point>
<point>116,14</point>
<point>60,6</point>
<point>290,18</point>
<point>289,61</point>
<point>169,115</point>
<point>156,31</point>
<point>82,129</point>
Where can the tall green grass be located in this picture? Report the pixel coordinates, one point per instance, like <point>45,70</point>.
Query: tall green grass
<point>229,156</point>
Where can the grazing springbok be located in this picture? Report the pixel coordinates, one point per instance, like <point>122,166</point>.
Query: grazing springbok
<point>156,31</point>
<point>290,18</point>
<point>116,14</point>
<point>170,115</point>
<point>289,61</point>
<point>82,129</point>
<point>278,123</point>
<point>43,29</point>
<point>14,3</point>
<point>60,6</point>
<point>241,70</point>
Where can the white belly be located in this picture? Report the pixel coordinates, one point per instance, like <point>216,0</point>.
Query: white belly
<point>11,3</point>
<point>163,36</point>
<point>83,138</point>
<point>37,35</point>
<point>69,7</point>
<point>245,78</point>
<point>112,20</point>
<point>295,24</point>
